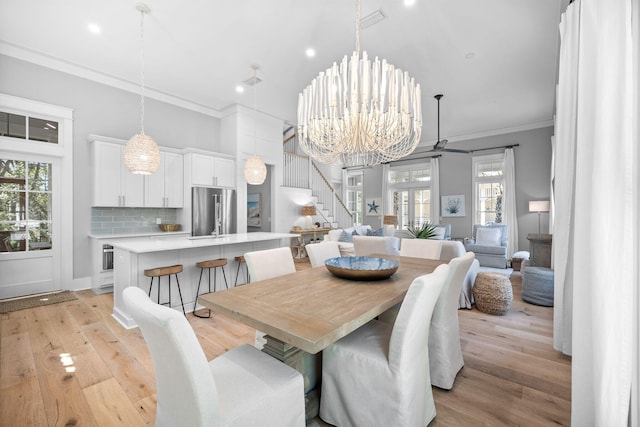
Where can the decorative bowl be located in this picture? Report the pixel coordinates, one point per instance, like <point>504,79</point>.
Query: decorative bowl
<point>169,227</point>
<point>361,267</point>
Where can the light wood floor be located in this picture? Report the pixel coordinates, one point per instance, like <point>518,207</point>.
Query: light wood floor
<point>72,364</point>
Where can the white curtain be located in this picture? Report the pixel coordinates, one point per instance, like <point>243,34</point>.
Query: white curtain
<point>435,190</point>
<point>509,201</point>
<point>596,186</point>
<point>552,206</point>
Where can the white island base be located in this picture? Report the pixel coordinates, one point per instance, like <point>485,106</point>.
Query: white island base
<point>133,256</point>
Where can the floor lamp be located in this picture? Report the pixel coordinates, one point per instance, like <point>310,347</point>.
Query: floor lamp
<point>539,206</point>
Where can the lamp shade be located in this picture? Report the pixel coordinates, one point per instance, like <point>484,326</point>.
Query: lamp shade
<point>308,210</point>
<point>255,171</point>
<point>390,220</point>
<point>539,206</point>
<point>142,155</point>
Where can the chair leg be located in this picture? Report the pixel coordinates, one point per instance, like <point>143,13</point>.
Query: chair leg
<point>180,293</point>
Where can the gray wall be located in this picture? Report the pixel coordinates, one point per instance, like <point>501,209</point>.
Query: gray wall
<point>532,164</point>
<point>107,111</point>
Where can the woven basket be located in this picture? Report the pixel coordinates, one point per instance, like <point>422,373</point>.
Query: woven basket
<point>493,293</point>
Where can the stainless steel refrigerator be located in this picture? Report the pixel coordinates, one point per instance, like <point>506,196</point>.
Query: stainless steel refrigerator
<point>213,211</point>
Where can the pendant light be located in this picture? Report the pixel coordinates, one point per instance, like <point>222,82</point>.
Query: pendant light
<point>360,112</point>
<point>141,154</point>
<point>255,171</point>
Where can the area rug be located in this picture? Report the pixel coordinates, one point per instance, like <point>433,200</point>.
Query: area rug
<point>36,301</point>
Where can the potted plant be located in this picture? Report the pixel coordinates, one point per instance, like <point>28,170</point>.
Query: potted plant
<point>426,231</point>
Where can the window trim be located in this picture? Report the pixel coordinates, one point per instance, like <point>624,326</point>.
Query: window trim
<point>475,179</point>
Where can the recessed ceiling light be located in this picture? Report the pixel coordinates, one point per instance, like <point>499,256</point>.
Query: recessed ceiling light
<point>310,52</point>
<point>240,89</point>
<point>94,28</point>
<point>409,2</point>
<point>470,55</point>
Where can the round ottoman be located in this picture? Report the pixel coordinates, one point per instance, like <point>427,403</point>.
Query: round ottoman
<point>493,293</point>
<point>537,286</point>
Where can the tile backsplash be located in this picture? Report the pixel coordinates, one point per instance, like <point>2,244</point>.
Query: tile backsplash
<point>130,220</point>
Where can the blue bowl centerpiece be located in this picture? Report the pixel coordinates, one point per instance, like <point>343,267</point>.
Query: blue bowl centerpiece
<point>361,267</point>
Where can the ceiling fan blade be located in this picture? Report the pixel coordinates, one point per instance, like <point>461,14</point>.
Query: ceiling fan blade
<point>454,150</point>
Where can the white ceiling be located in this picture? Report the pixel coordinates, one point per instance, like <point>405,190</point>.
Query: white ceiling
<point>197,51</point>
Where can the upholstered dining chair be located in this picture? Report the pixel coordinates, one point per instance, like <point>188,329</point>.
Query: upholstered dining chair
<point>366,245</point>
<point>241,387</point>
<point>269,263</point>
<point>378,375</point>
<point>421,248</point>
<point>320,252</point>
<point>445,352</point>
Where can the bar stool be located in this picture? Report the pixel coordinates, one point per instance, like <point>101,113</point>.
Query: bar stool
<point>165,271</point>
<point>240,260</point>
<point>214,263</point>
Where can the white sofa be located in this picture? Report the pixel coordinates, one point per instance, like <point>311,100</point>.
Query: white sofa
<point>346,248</point>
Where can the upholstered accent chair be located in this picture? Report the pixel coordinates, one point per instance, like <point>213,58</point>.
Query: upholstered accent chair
<point>489,243</point>
<point>242,387</point>
<point>378,375</point>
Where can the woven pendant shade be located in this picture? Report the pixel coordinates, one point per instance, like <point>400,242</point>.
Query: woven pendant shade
<point>255,171</point>
<point>142,155</point>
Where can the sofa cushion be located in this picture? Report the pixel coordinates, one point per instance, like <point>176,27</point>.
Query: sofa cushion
<point>334,235</point>
<point>488,237</point>
<point>440,232</point>
<point>346,237</point>
<point>489,250</point>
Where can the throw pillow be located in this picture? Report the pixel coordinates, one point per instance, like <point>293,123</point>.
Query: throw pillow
<point>346,237</point>
<point>440,231</point>
<point>488,236</point>
<point>378,232</point>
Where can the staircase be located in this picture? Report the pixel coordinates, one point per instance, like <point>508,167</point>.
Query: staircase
<point>300,171</point>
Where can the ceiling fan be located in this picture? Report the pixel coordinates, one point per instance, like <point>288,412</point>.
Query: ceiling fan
<point>440,144</point>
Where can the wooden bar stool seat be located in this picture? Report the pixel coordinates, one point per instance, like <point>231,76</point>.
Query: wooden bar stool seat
<point>240,260</point>
<point>166,271</point>
<point>209,264</point>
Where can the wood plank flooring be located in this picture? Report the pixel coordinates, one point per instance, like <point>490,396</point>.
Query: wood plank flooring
<point>72,364</point>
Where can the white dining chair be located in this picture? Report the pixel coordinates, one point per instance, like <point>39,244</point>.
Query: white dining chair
<point>242,387</point>
<point>421,248</point>
<point>269,263</point>
<point>445,352</point>
<point>366,245</point>
<point>320,252</point>
<point>378,375</point>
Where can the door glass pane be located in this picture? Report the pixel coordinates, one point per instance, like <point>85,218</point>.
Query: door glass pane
<point>422,206</point>
<point>397,177</point>
<point>39,176</point>
<point>13,125</point>
<point>422,175</point>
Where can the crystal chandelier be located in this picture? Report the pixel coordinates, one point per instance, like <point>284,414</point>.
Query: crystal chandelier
<point>255,171</point>
<point>141,154</point>
<point>360,112</point>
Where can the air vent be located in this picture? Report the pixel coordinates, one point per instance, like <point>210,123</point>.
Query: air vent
<point>372,19</point>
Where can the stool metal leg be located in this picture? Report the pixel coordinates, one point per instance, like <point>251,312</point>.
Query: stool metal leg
<point>226,285</point>
<point>180,293</point>
<point>237,274</point>
<point>198,293</point>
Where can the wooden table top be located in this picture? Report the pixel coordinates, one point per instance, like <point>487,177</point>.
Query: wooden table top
<point>311,309</point>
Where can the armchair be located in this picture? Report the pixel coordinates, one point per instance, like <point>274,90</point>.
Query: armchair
<point>489,243</point>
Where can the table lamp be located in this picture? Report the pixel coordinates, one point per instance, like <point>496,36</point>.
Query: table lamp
<point>539,206</point>
<point>389,222</point>
<point>308,212</point>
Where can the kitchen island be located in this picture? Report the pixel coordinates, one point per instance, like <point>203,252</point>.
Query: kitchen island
<point>134,255</point>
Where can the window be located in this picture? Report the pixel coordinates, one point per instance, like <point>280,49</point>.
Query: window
<point>488,186</point>
<point>410,194</point>
<point>28,128</point>
<point>25,205</point>
<point>354,196</point>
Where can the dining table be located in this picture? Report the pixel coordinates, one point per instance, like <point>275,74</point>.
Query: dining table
<point>304,312</point>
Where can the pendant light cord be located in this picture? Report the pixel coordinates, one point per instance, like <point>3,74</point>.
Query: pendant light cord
<point>255,110</point>
<point>358,26</point>
<point>142,12</point>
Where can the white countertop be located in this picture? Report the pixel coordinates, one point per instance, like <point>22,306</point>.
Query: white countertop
<point>165,242</point>
<point>133,235</point>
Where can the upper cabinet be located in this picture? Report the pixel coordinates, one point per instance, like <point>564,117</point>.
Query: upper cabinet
<point>165,188</point>
<point>212,171</point>
<point>113,184</point>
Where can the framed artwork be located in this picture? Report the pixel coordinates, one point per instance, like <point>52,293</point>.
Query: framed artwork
<point>373,206</point>
<point>254,219</point>
<point>453,205</point>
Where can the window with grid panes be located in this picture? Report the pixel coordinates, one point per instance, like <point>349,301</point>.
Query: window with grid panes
<point>410,194</point>
<point>354,195</point>
<point>488,187</point>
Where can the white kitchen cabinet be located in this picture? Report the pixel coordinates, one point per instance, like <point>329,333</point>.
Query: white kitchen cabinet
<point>113,184</point>
<point>211,170</point>
<point>165,188</point>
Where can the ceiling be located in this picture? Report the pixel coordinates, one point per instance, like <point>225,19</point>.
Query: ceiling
<point>494,60</point>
